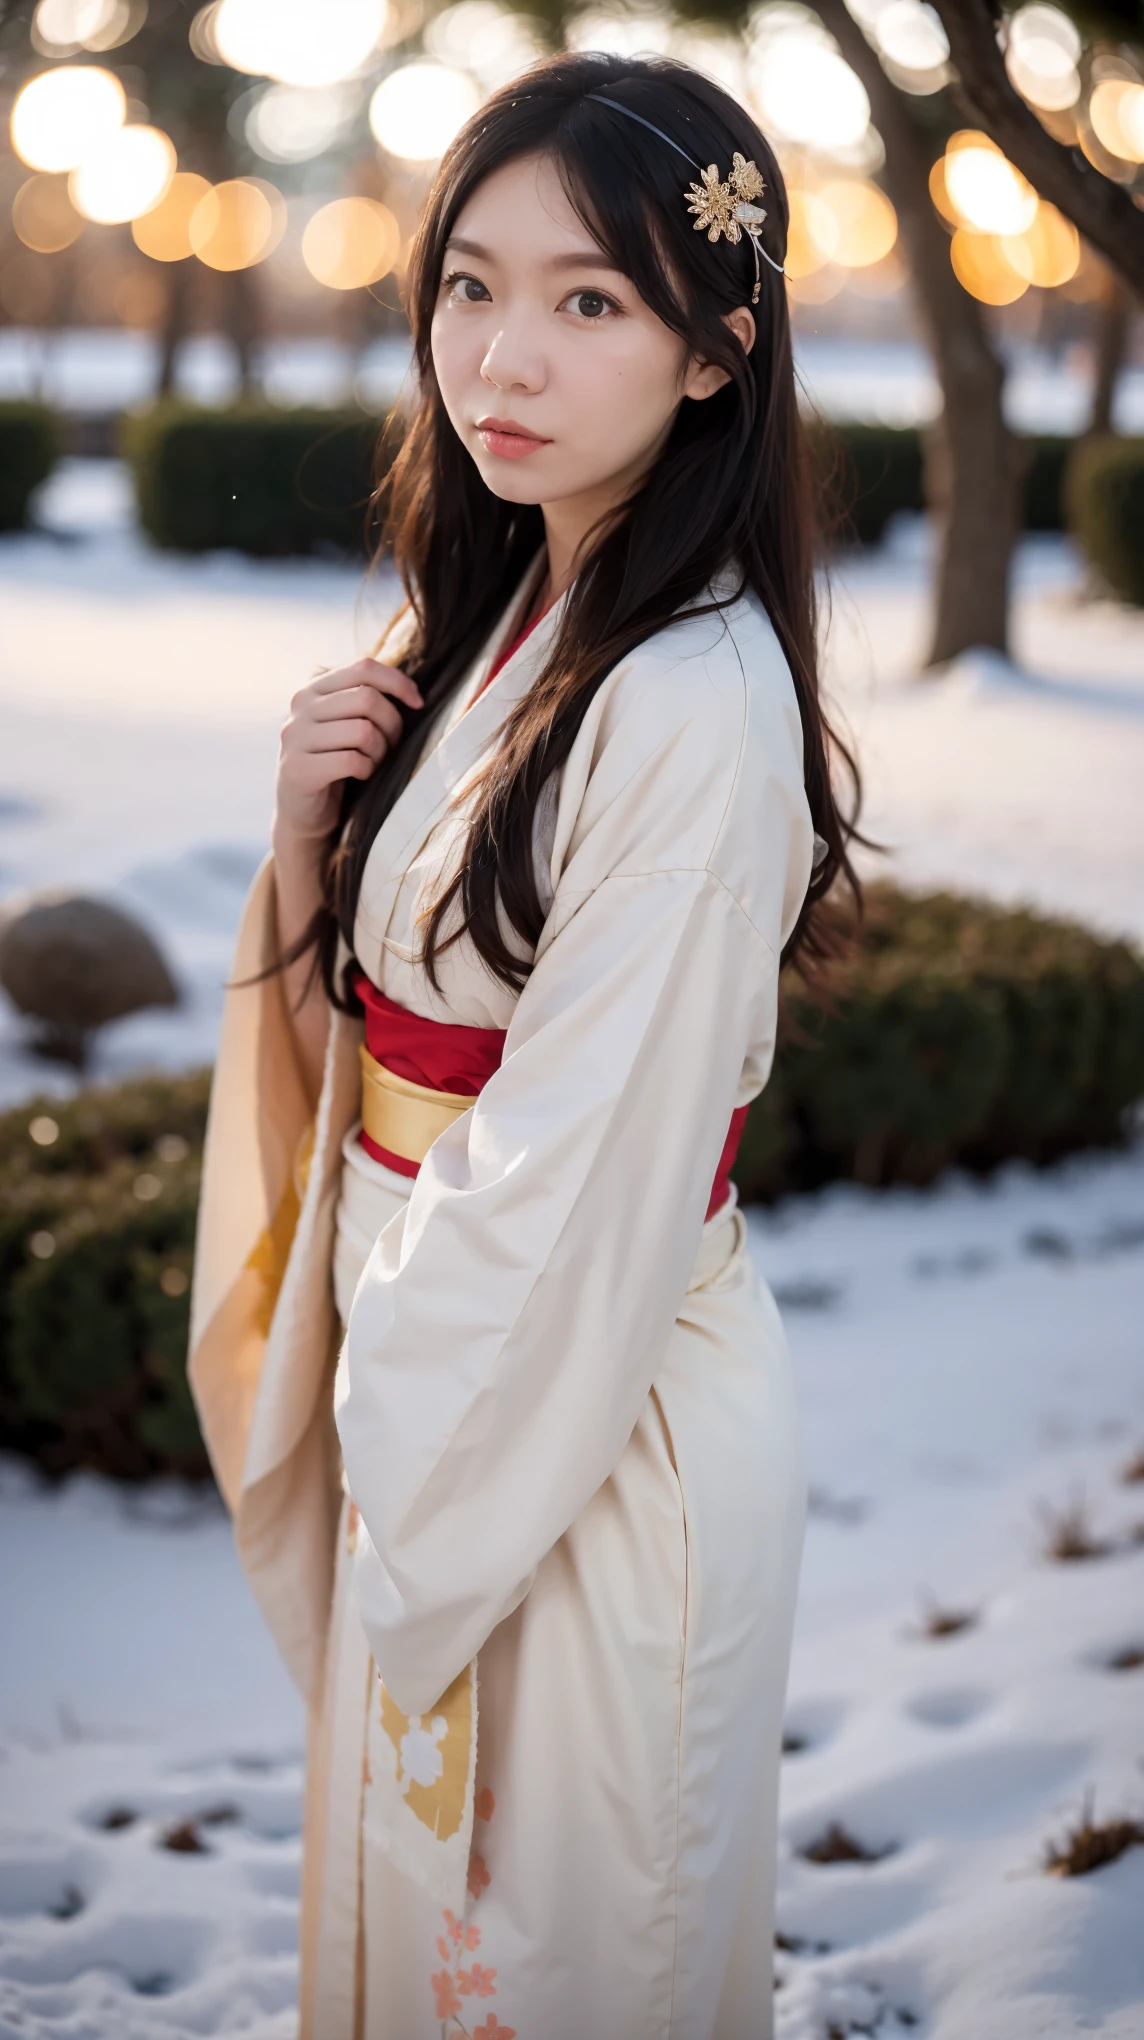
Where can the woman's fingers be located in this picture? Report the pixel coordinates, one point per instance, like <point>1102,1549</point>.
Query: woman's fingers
<point>358,701</point>
<point>383,680</point>
<point>348,733</point>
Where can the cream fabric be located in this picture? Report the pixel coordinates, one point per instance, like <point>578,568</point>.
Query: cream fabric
<point>575,1457</point>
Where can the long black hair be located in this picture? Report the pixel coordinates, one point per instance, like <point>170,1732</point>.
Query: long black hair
<point>731,488</point>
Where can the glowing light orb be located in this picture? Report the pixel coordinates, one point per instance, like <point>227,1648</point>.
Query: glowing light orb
<point>983,269</point>
<point>61,26</point>
<point>289,123</point>
<point>866,223</point>
<point>164,233</point>
<point>297,41</point>
<point>988,192</point>
<point>911,35</point>
<point>125,176</point>
<point>62,116</point>
<point>1116,111</point>
<point>353,241</point>
<point>812,235</point>
<point>807,93</point>
<point>236,224</point>
<point>1048,252</point>
<point>418,109</point>
<point>44,217</point>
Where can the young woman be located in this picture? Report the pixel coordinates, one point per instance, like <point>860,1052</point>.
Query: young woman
<point>503,994</point>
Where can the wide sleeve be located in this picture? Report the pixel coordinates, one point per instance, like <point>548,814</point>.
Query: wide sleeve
<point>509,1325</point>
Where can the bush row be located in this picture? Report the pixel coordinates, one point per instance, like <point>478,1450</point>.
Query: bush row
<point>1105,495</point>
<point>878,470</point>
<point>29,447</point>
<point>273,483</point>
<point>957,1033</point>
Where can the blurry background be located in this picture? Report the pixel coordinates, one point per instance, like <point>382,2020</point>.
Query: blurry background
<point>205,216</point>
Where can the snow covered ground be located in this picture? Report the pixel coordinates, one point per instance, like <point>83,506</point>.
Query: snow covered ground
<point>970,1363</point>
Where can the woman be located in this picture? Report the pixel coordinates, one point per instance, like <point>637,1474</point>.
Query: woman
<point>545,854</point>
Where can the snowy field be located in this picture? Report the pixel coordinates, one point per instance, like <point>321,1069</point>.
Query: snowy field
<point>971,1363</point>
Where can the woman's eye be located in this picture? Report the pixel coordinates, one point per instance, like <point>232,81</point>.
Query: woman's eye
<point>467,290</point>
<point>589,304</point>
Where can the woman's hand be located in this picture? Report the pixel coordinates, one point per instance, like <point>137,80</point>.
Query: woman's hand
<point>339,727</point>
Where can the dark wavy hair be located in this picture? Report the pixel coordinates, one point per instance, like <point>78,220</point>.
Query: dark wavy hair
<point>731,488</point>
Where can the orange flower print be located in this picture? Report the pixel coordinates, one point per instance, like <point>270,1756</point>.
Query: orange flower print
<point>478,1875</point>
<point>454,1925</point>
<point>491,2029</point>
<point>448,2003</point>
<point>476,1982</point>
<point>472,1937</point>
<point>484,1805</point>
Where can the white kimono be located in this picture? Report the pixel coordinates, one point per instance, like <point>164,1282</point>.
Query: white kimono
<point>545,1646</point>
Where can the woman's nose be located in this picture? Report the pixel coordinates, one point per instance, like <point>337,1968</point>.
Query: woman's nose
<point>513,362</point>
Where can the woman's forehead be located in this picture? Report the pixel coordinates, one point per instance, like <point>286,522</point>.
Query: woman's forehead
<point>522,211</point>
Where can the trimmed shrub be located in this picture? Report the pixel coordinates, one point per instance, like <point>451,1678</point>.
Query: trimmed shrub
<point>96,1241</point>
<point>29,448</point>
<point>877,470</point>
<point>273,483</point>
<point>958,1033</point>
<point>1106,511</point>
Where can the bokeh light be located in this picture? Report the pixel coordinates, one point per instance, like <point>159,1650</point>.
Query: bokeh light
<point>812,235</point>
<point>1041,56</point>
<point>236,224</point>
<point>164,233</point>
<point>62,116</point>
<point>126,175</point>
<point>911,38</point>
<point>292,123</point>
<point>1048,252</point>
<point>418,109</point>
<point>60,27</point>
<point>866,223</point>
<point>491,41</point>
<point>298,42</point>
<point>805,92</point>
<point>44,217</point>
<point>351,242</point>
<point>1116,111</point>
<point>988,192</point>
<point>983,268</point>
<point>630,31</point>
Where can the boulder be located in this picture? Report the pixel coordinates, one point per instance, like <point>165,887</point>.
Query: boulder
<point>71,964</point>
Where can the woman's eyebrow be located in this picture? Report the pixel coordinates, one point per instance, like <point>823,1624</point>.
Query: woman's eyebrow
<point>577,258</point>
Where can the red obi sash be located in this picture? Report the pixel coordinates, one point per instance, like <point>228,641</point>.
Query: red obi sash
<point>441,1057</point>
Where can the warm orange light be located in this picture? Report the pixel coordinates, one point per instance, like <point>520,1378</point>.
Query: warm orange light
<point>1116,111</point>
<point>1048,252</point>
<point>812,235</point>
<point>237,223</point>
<point>982,268</point>
<point>62,115</point>
<point>164,233</point>
<point>44,217</point>
<point>351,242</point>
<point>866,221</point>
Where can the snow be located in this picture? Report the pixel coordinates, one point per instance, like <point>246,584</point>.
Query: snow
<point>969,1362</point>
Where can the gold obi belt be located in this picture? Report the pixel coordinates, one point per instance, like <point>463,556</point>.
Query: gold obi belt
<point>401,1118</point>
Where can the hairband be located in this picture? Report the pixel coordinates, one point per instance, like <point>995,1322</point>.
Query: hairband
<point>723,208</point>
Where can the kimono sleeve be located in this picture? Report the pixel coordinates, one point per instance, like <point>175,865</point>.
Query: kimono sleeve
<point>507,1328</point>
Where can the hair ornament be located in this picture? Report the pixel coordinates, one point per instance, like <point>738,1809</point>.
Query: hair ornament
<point>722,207</point>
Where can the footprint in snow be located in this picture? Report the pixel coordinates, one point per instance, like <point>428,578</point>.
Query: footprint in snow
<point>948,1706</point>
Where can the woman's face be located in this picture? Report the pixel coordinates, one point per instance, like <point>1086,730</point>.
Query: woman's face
<point>558,378</point>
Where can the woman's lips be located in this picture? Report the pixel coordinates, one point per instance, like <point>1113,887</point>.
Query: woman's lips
<point>510,441</point>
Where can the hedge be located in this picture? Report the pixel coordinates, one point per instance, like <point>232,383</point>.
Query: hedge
<point>255,479</point>
<point>958,1033</point>
<point>1106,511</point>
<point>878,470</point>
<point>29,447</point>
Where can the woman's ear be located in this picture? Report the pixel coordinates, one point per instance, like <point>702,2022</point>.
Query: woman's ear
<point>704,377</point>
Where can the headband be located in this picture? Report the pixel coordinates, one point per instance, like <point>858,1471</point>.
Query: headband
<point>723,208</point>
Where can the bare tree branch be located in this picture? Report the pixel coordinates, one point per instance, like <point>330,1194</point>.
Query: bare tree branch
<point>1102,211</point>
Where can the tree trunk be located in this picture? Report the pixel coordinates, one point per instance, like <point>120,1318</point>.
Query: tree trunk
<point>240,298</point>
<point>975,471</point>
<point>176,318</point>
<point>1113,318</point>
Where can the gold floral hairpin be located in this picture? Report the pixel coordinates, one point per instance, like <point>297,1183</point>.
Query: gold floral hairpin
<point>729,208</point>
